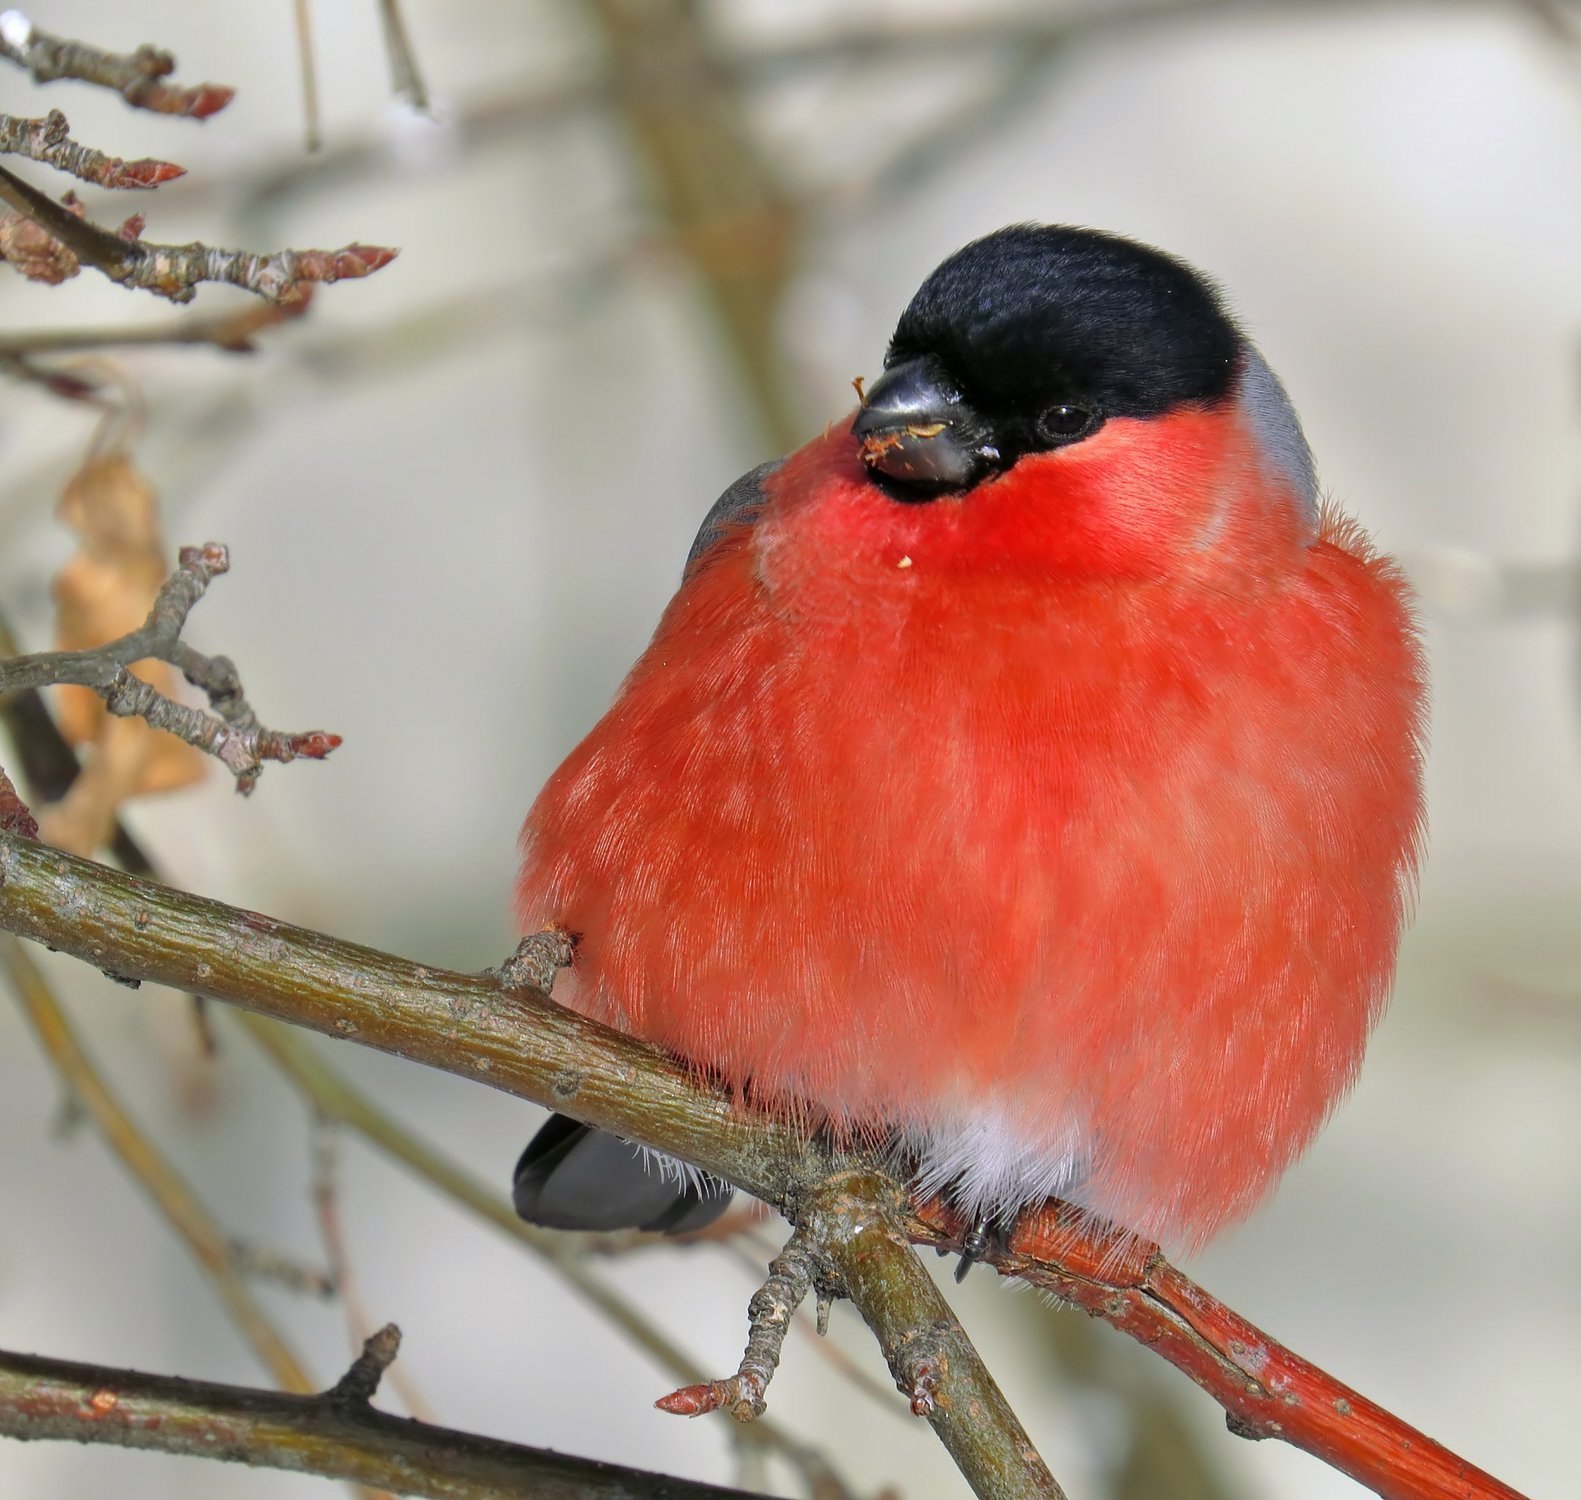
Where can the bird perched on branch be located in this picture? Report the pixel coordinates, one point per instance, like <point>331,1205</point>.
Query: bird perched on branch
<point>1025,778</point>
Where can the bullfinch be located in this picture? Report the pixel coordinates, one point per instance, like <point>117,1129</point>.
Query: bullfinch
<point>1025,780</point>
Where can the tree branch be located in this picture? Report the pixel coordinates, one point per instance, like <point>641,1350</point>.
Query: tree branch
<point>175,271</point>
<point>523,1044</point>
<point>48,140</point>
<point>336,1434</point>
<point>138,77</point>
<point>232,733</point>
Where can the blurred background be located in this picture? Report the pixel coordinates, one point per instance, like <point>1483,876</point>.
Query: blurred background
<point>645,245</point>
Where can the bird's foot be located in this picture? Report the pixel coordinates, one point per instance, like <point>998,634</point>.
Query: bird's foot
<point>984,1235</point>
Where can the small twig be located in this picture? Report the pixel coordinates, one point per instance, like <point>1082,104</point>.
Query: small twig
<point>537,959</point>
<point>232,733</point>
<point>231,333</point>
<point>260,1263</point>
<point>326,1208</point>
<point>138,77</point>
<point>330,1434</point>
<point>405,77</point>
<point>769,1315</point>
<point>176,271</point>
<point>48,140</point>
<point>361,1382</point>
<point>818,1322</point>
<point>312,135</point>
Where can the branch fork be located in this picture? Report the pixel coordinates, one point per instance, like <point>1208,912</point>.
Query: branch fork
<point>230,732</point>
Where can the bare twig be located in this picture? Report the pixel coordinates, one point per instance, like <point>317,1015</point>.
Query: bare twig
<point>302,18</point>
<point>48,140</point>
<point>361,1382</point>
<point>405,76</point>
<point>232,733</point>
<point>231,333</point>
<point>175,271</point>
<point>743,1395</point>
<point>261,1263</point>
<point>526,1045</point>
<point>138,77</point>
<point>46,762</point>
<point>849,1236</point>
<point>334,1434</point>
<point>326,1209</point>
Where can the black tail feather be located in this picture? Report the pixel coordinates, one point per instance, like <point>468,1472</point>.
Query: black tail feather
<point>574,1177</point>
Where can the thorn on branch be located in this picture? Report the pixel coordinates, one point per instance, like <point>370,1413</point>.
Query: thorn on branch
<point>138,77</point>
<point>360,1383</point>
<point>48,140</point>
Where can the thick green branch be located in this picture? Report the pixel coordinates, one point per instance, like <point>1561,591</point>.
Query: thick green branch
<point>517,1041</point>
<point>929,1354</point>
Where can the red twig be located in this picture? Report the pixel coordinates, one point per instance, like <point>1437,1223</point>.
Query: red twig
<point>138,77</point>
<point>1265,1390</point>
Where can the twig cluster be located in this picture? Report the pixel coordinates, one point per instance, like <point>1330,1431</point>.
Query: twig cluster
<point>51,242</point>
<point>231,732</point>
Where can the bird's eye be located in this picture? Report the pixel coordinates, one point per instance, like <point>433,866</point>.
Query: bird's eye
<point>1068,424</point>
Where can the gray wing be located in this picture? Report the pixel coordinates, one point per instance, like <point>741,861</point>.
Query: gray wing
<point>740,505</point>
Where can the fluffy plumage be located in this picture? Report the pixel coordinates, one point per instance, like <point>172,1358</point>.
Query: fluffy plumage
<point>1060,828</point>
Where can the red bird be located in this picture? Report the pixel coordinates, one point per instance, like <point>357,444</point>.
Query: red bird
<point>1026,777</point>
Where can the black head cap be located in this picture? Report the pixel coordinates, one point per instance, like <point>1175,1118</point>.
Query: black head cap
<point>1034,336</point>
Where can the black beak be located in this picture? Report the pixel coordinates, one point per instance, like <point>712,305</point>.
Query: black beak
<point>918,432</point>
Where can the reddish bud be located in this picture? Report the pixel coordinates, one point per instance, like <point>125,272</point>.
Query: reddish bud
<point>207,99</point>
<point>14,814</point>
<point>692,1400</point>
<point>146,172</point>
